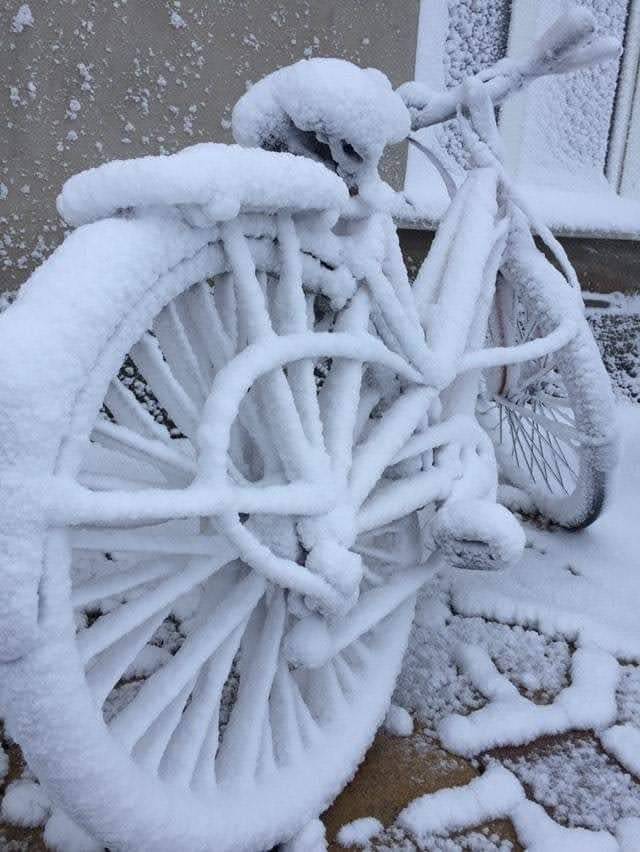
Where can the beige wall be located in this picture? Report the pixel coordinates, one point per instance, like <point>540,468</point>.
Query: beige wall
<point>146,85</point>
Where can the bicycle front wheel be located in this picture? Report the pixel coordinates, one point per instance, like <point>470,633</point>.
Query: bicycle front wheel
<point>163,705</point>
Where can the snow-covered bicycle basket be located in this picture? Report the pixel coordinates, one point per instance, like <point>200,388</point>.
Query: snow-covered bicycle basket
<point>235,442</point>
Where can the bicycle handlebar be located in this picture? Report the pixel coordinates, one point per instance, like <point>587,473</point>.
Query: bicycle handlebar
<point>569,43</point>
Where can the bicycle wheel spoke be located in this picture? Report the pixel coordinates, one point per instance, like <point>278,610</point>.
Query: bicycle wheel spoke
<point>294,728</point>
<point>114,625</point>
<point>404,327</point>
<point>110,666</point>
<point>148,540</point>
<point>292,314</point>
<point>240,749</point>
<point>168,457</point>
<point>118,583</point>
<point>385,440</point>
<point>151,747</point>
<point>340,394</point>
<point>130,413</point>
<point>178,351</point>
<point>147,356</point>
<point>159,690</point>
<point>395,499</point>
<point>191,752</point>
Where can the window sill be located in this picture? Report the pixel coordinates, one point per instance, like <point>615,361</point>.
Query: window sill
<point>565,212</point>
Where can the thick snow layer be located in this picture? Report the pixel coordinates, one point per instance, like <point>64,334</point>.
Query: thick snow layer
<point>25,803</point>
<point>584,587</point>
<point>220,179</point>
<point>359,832</point>
<point>330,97</point>
<point>569,589</point>
<point>63,835</point>
<point>497,793</point>
<point>539,833</point>
<point>628,834</point>
<point>510,719</point>
<point>494,794</point>
<point>623,741</point>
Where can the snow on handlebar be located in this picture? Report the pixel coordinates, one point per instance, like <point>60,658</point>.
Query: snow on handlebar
<point>569,43</point>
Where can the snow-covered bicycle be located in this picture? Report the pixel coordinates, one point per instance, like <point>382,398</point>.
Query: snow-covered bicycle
<point>235,442</point>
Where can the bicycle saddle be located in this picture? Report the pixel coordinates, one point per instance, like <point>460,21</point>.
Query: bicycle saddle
<point>327,109</point>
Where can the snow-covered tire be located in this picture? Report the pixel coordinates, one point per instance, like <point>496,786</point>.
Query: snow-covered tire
<point>62,346</point>
<point>563,466</point>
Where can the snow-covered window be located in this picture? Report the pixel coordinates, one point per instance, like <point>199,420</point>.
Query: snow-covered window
<point>572,142</point>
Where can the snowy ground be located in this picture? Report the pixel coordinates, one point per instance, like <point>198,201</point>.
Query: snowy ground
<point>537,671</point>
<point>532,676</point>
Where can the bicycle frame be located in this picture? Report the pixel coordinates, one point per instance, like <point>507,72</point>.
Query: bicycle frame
<point>434,335</point>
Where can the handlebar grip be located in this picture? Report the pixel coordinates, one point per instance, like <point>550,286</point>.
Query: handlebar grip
<point>565,33</point>
<point>567,45</point>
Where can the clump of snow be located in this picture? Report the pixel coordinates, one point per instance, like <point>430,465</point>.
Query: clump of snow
<point>539,833</point>
<point>23,18</point>
<point>359,832</point>
<point>176,20</point>
<point>25,803</point>
<point>511,719</point>
<point>432,685</point>
<point>494,794</point>
<point>398,721</point>
<point>623,741</point>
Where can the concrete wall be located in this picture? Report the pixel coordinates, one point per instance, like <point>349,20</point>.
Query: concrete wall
<point>93,80</point>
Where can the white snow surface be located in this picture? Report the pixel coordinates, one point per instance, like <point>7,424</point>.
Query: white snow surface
<point>494,794</point>
<point>220,179</point>
<point>23,18</point>
<point>359,832</point>
<point>550,646</point>
<point>25,803</point>
<point>511,719</point>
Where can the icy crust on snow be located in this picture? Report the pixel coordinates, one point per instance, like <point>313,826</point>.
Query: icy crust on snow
<point>222,179</point>
<point>329,96</point>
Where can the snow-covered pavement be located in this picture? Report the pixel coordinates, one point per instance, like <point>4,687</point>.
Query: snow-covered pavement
<point>505,668</point>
